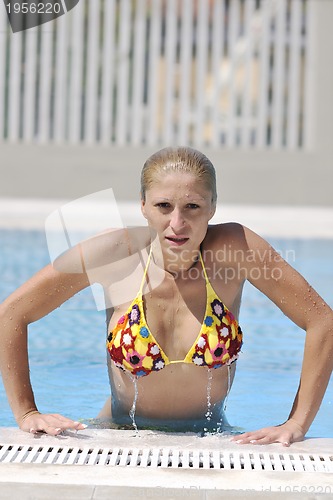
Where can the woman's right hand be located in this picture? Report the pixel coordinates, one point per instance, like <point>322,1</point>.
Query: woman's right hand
<point>52,424</point>
<point>36,298</point>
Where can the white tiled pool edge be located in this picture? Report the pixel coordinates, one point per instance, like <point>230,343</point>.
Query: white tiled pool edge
<point>101,482</point>
<point>267,220</point>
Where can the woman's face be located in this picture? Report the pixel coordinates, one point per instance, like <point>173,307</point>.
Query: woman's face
<point>178,207</point>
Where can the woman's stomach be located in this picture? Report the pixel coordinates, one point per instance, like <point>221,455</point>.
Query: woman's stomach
<point>177,396</point>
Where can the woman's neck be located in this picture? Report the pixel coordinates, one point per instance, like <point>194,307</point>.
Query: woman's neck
<point>175,262</point>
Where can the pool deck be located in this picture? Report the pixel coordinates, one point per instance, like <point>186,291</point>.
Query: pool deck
<point>47,481</point>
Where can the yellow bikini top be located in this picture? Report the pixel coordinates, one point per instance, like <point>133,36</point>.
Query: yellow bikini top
<point>133,347</point>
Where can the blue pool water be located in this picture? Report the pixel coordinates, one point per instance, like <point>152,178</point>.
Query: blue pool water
<point>67,348</point>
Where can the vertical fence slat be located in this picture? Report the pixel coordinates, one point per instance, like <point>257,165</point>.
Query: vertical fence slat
<point>30,80</point>
<point>152,96</point>
<point>201,72</point>
<point>3,39</point>
<point>233,56</point>
<point>278,104</point>
<point>108,65</point>
<point>138,72</point>
<point>262,118</point>
<point>294,75</point>
<point>15,86</point>
<point>76,76</point>
<point>153,69</point>
<point>45,83</point>
<point>217,60</point>
<point>60,80</point>
<point>185,79</point>
<point>310,75</point>
<point>123,72</point>
<point>90,125</point>
<point>170,63</point>
<point>247,97</point>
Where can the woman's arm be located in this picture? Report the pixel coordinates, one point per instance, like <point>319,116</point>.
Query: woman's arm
<point>40,295</point>
<point>268,272</point>
<point>101,258</point>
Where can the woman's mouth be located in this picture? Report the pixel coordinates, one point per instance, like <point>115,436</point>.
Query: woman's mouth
<point>177,240</point>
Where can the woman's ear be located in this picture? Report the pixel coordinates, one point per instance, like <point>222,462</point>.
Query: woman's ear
<point>212,211</point>
<point>143,208</point>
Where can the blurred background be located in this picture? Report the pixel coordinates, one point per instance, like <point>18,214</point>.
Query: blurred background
<point>84,99</point>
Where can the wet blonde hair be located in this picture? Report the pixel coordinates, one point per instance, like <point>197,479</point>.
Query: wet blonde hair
<point>179,159</point>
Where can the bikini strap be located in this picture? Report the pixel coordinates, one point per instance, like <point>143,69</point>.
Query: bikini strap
<point>145,271</point>
<point>203,268</point>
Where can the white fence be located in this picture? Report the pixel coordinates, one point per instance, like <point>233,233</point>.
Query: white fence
<point>152,72</point>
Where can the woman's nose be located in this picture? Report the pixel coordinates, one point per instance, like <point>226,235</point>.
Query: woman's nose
<point>177,220</point>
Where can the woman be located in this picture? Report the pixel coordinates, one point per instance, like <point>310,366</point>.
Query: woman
<point>175,289</point>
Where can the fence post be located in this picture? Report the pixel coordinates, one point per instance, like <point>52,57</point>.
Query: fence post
<point>319,80</point>
<point>3,36</point>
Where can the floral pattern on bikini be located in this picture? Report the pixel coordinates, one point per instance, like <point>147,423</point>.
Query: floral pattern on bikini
<point>132,347</point>
<point>220,340</point>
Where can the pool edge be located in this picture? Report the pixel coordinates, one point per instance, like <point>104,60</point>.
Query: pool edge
<point>99,482</point>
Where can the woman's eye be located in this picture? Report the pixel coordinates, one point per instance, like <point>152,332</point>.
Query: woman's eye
<point>163,204</point>
<point>192,205</point>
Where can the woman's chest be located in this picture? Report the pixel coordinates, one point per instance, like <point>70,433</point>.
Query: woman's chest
<point>173,310</point>
<point>174,313</point>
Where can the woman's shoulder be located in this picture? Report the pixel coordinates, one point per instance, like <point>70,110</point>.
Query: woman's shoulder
<point>226,232</point>
<point>109,246</point>
<point>233,235</point>
<point>232,232</point>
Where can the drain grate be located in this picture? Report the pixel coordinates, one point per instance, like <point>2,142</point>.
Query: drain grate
<point>166,458</point>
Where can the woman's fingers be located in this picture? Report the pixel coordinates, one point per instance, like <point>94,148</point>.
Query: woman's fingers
<point>285,434</point>
<point>52,424</point>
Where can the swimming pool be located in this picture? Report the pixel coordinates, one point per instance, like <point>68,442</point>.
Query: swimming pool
<point>67,348</point>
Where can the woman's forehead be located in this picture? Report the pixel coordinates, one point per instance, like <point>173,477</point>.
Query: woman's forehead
<point>176,184</point>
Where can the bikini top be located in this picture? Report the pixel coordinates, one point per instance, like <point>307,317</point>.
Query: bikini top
<point>133,347</point>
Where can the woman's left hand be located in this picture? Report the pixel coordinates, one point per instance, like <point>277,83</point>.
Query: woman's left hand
<point>287,433</point>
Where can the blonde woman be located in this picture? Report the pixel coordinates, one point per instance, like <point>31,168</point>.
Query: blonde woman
<point>173,333</point>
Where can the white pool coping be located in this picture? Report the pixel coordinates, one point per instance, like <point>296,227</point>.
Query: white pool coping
<point>41,481</point>
<point>266,220</point>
